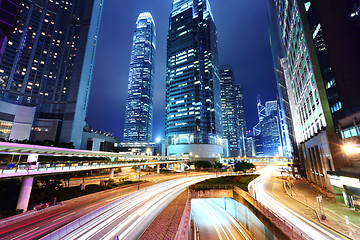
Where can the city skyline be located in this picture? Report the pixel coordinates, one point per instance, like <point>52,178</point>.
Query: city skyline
<point>103,99</point>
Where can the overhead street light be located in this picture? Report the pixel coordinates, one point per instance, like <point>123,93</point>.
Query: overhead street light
<point>350,149</point>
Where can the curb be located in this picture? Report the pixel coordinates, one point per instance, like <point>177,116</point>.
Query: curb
<point>317,214</point>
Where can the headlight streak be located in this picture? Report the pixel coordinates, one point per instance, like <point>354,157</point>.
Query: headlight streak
<point>303,225</point>
<point>93,227</point>
<point>210,217</point>
<point>231,218</point>
<point>155,203</point>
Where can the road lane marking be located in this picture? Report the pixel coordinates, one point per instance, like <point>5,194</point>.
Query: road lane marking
<point>64,216</point>
<point>25,233</point>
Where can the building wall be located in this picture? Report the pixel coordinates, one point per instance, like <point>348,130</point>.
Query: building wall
<point>46,129</point>
<point>317,158</point>
<point>20,118</point>
<point>49,59</point>
<point>97,142</point>
<point>197,151</point>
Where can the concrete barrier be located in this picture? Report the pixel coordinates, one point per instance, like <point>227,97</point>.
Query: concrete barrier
<point>278,226</point>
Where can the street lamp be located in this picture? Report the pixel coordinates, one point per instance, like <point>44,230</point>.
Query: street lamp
<point>350,149</point>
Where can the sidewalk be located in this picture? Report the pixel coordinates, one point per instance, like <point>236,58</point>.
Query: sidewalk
<point>335,212</point>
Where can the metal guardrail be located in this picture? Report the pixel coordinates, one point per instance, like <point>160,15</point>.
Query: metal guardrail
<point>292,231</point>
<point>212,186</point>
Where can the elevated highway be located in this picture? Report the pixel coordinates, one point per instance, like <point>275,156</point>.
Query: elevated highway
<point>109,160</point>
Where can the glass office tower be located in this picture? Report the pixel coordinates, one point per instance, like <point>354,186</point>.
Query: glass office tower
<point>193,101</point>
<point>48,64</point>
<point>139,107</point>
<point>321,70</point>
<point>229,110</point>
<point>234,125</point>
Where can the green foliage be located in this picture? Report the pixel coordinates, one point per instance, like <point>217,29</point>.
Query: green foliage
<point>203,164</point>
<point>241,181</point>
<point>218,165</point>
<point>243,166</point>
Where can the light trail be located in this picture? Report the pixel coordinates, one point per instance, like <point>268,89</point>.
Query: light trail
<point>302,225</point>
<point>130,216</point>
<point>225,225</point>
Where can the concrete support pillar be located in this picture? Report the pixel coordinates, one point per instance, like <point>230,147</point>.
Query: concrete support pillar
<point>158,168</point>
<point>111,175</point>
<point>167,166</point>
<point>182,166</point>
<point>25,192</point>
<point>178,166</point>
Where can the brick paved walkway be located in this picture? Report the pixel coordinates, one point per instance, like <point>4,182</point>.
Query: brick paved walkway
<point>166,224</point>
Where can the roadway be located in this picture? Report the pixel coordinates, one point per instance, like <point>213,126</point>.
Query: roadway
<point>211,222</point>
<point>129,219</point>
<point>36,225</point>
<point>269,191</point>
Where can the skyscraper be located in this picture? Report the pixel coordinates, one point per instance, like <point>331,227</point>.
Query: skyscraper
<point>239,101</point>
<point>9,11</point>
<point>139,107</point>
<point>229,111</point>
<point>48,63</point>
<point>193,101</point>
<point>322,77</point>
<point>268,138</point>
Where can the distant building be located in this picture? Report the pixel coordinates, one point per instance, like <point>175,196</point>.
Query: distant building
<point>193,96</point>
<point>270,133</point>
<point>232,111</point>
<point>97,140</point>
<point>139,107</point>
<point>250,147</point>
<point>48,63</point>
<point>258,142</point>
<point>138,148</point>
<point>239,101</point>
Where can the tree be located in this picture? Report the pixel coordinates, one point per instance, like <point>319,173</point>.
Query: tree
<point>243,166</point>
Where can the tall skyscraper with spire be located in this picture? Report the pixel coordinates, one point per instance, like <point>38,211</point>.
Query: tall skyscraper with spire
<point>193,101</point>
<point>139,107</point>
<point>48,64</point>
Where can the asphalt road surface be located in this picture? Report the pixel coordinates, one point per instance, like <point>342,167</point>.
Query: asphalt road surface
<point>213,222</point>
<point>269,191</point>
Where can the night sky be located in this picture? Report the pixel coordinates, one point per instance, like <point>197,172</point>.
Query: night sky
<point>243,42</point>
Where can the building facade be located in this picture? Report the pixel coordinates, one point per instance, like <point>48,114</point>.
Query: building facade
<point>48,63</point>
<point>9,11</point>
<point>193,95</point>
<point>232,112</point>
<point>322,75</point>
<point>240,110</point>
<point>139,107</point>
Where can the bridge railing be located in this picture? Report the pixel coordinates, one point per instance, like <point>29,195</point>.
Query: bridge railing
<point>54,166</point>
